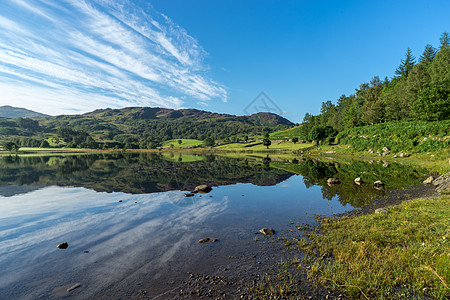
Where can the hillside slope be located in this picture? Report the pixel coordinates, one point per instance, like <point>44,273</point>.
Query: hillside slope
<point>12,112</point>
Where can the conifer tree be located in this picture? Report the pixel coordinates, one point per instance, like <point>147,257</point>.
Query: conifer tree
<point>406,64</point>
<point>428,54</point>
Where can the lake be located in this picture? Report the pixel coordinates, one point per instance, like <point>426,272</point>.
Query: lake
<point>129,226</point>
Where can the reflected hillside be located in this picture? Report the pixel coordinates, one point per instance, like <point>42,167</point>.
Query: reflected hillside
<point>134,173</point>
<point>315,172</point>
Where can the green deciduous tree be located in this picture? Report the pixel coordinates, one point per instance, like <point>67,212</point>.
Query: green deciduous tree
<point>267,142</point>
<point>433,104</point>
<point>10,146</point>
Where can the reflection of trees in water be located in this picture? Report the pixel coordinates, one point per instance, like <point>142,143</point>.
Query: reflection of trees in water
<point>316,172</point>
<point>135,173</point>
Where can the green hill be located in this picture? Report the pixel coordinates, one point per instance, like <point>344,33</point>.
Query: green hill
<point>136,127</point>
<point>12,112</point>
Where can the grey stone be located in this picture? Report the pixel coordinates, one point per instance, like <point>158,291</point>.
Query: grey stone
<point>267,231</point>
<point>207,240</point>
<point>428,180</point>
<point>333,181</point>
<point>378,184</point>
<point>202,189</point>
<point>382,210</point>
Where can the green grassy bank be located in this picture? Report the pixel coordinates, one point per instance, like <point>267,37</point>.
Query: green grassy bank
<point>403,253</point>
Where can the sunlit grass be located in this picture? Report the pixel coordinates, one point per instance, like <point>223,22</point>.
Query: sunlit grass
<point>184,143</point>
<point>402,253</point>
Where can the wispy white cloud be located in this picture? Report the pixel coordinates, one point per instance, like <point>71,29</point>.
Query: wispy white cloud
<point>79,55</point>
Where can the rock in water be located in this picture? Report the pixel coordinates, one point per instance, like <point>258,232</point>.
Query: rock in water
<point>189,194</point>
<point>378,184</point>
<point>63,245</point>
<point>358,180</point>
<point>428,180</point>
<point>267,231</point>
<point>202,189</point>
<point>333,181</point>
<point>75,286</point>
<point>207,240</point>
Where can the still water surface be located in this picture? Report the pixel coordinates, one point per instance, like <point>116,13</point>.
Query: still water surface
<point>147,236</point>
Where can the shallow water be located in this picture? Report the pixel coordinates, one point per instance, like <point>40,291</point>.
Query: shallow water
<point>146,240</point>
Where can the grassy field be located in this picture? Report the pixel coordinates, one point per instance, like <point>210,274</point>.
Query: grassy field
<point>184,143</point>
<point>403,253</point>
<point>259,147</point>
<point>288,133</point>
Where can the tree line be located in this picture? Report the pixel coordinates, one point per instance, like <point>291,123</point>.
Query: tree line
<point>420,90</point>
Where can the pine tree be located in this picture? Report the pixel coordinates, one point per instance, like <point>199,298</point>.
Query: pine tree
<point>428,54</point>
<point>444,39</point>
<point>406,64</point>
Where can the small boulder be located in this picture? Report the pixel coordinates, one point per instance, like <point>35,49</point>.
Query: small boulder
<point>382,210</point>
<point>267,231</point>
<point>428,180</point>
<point>386,164</point>
<point>207,240</point>
<point>189,194</point>
<point>371,151</point>
<point>358,181</point>
<point>404,155</point>
<point>333,181</point>
<point>63,245</point>
<point>386,150</point>
<point>378,184</point>
<point>202,189</point>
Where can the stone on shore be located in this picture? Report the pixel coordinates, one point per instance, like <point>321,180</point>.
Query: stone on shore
<point>382,210</point>
<point>378,184</point>
<point>189,194</point>
<point>428,180</point>
<point>358,181</point>
<point>202,189</point>
<point>333,181</point>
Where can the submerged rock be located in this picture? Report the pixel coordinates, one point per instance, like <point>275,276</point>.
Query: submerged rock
<point>75,286</point>
<point>207,240</point>
<point>267,231</point>
<point>358,180</point>
<point>202,189</point>
<point>63,245</point>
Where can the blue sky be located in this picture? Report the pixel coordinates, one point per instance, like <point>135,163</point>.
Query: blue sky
<point>73,56</point>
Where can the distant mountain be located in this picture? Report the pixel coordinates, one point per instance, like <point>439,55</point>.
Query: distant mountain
<point>12,112</point>
<point>139,127</point>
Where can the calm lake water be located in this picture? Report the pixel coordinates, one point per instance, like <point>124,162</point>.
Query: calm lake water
<point>130,213</point>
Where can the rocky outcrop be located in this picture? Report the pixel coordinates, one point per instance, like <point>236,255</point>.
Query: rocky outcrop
<point>442,184</point>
